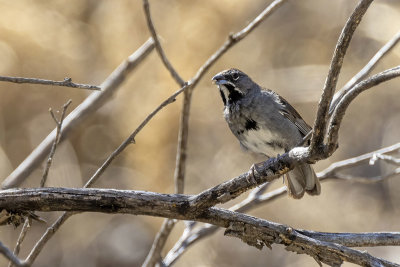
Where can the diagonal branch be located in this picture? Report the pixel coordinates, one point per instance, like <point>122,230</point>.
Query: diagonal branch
<point>191,236</point>
<point>21,238</point>
<point>67,82</point>
<point>89,105</point>
<point>364,71</point>
<point>320,124</point>
<point>160,51</point>
<point>56,141</point>
<point>9,255</point>
<point>337,116</point>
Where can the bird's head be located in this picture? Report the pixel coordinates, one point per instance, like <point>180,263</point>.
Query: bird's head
<point>233,85</point>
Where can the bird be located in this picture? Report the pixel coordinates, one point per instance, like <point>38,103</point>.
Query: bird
<point>265,123</point>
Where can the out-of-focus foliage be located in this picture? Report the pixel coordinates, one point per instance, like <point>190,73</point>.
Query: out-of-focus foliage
<point>289,52</point>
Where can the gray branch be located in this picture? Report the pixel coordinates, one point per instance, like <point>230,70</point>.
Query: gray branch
<point>67,82</point>
<point>9,255</point>
<point>56,141</point>
<point>343,43</point>
<point>251,230</point>
<point>160,50</point>
<point>365,71</point>
<point>21,238</point>
<point>338,114</point>
<point>256,198</point>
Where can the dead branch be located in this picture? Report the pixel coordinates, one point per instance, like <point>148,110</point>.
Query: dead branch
<point>343,43</point>
<point>56,140</point>
<point>21,238</point>
<point>365,71</point>
<point>67,82</point>
<point>257,197</point>
<point>338,114</point>
<point>9,255</point>
<point>251,230</point>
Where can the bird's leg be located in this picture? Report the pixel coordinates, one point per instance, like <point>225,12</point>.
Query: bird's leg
<point>283,176</point>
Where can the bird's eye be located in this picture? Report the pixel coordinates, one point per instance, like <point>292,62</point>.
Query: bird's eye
<point>235,76</point>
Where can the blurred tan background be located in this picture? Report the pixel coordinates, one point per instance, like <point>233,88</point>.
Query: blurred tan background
<point>289,52</point>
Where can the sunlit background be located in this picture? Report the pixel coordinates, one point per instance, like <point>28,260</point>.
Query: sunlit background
<point>289,52</point>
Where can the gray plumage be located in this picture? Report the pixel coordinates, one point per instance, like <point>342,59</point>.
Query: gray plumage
<point>265,123</point>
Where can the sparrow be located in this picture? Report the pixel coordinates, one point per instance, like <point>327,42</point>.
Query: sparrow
<point>265,123</point>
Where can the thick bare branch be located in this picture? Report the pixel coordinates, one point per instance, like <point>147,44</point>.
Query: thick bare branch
<point>365,71</point>
<point>257,198</point>
<point>320,124</point>
<point>253,231</point>
<point>356,239</point>
<point>67,82</point>
<point>89,105</point>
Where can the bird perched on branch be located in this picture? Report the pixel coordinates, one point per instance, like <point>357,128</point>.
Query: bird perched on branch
<point>266,123</point>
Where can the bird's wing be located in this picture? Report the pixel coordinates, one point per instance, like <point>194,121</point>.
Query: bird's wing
<point>291,114</point>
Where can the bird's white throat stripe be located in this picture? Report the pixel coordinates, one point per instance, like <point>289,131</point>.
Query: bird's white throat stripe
<point>226,91</point>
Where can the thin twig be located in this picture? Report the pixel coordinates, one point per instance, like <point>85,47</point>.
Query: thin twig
<point>24,230</point>
<point>365,71</point>
<point>388,159</point>
<point>159,49</point>
<point>343,43</point>
<point>355,161</point>
<point>9,255</point>
<point>154,254</point>
<point>59,123</point>
<point>50,231</point>
<point>338,114</point>
<point>89,105</point>
<point>56,140</point>
<point>67,82</point>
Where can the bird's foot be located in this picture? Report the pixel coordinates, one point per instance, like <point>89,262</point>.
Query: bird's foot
<point>254,169</point>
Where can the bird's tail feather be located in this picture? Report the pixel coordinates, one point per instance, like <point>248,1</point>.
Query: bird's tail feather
<point>302,179</point>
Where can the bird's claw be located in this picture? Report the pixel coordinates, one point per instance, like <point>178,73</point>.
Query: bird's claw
<point>253,170</point>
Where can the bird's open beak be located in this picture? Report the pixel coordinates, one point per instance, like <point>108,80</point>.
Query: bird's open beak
<point>219,79</point>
